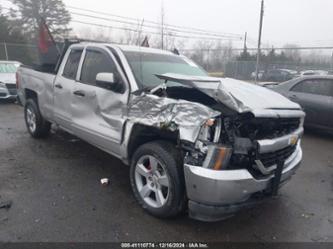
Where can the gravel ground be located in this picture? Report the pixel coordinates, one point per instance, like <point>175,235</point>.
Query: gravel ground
<point>56,196</point>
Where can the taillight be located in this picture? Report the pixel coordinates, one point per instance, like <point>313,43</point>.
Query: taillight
<point>17,81</point>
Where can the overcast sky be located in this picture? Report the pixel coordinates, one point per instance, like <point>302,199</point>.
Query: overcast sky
<point>306,22</point>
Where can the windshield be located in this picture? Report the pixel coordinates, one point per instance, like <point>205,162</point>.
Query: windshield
<point>146,65</point>
<point>7,68</point>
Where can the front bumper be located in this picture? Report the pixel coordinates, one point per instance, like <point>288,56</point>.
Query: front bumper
<point>215,194</point>
<point>6,93</point>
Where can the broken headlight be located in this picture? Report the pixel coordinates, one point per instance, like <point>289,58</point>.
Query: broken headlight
<point>209,133</point>
<point>217,155</point>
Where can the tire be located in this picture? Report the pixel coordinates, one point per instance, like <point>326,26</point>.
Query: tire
<point>169,168</point>
<point>37,126</point>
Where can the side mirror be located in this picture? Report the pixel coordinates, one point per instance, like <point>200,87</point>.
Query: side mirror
<point>109,81</point>
<point>104,79</point>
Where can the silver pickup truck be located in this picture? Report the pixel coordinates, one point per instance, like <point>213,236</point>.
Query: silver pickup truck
<point>207,145</point>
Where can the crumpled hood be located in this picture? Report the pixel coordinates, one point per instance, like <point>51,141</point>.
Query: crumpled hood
<point>237,95</point>
<point>9,78</point>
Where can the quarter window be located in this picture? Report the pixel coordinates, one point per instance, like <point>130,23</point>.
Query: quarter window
<point>72,64</point>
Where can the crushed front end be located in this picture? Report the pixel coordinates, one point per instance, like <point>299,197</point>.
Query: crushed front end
<point>240,159</point>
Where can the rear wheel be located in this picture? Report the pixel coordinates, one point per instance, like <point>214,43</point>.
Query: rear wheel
<point>37,126</point>
<point>157,179</point>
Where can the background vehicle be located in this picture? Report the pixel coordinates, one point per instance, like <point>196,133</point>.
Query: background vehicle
<point>260,75</point>
<point>313,72</point>
<point>214,145</point>
<point>268,84</point>
<point>8,79</point>
<point>315,95</point>
<point>279,75</point>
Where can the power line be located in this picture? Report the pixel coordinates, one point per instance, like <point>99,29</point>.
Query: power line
<point>180,28</point>
<point>255,49</point>
<point>113,27</point>
<point>148,26</point>
<point>202,37</point>
<point>199,34</point>
<point>149,32</point>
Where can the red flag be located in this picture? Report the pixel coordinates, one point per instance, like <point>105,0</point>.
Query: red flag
<point>45,39</point>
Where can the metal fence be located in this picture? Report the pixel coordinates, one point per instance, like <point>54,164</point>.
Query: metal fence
<point>245,69</point>
<point>217,62</point>
<point>25,53</point>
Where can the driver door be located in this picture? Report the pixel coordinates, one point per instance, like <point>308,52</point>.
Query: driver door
<point>97,112</point>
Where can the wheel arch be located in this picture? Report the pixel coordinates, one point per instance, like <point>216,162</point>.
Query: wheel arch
<point>31,94</point>
<point>142,134</point>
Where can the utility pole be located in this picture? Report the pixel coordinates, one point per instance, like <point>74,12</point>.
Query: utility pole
<point>332,63</point>
<point>259,39</point>
<point>162,26</point>
<point>245,38</point>
<point>6,51</point>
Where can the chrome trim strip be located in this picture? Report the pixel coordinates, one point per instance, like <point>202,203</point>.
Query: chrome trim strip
<point>272,145</point>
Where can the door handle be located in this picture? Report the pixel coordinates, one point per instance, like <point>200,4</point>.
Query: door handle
<point>58,86</point>
<point>79,93</point>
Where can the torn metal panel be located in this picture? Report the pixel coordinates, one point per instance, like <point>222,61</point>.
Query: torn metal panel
<point>165,113</point>
<point>237,95</point>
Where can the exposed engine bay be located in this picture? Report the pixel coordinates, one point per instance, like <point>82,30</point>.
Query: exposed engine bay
<point>232,136</point>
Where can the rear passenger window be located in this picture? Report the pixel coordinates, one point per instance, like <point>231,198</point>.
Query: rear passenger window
<point>72,64</point>
<point>95,62</point>
<point>316,86</point>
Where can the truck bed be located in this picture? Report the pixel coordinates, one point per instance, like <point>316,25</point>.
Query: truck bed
<point>39,82</point>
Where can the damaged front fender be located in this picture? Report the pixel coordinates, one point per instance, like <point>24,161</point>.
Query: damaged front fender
<point>164,113</point>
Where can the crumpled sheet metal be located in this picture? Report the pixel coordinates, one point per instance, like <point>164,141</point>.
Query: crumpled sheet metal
<point>238,95</point>
<point>165,113</point>
<point>230,101</point>
<point>211,86</point>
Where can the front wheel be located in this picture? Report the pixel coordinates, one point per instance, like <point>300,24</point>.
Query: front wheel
<point>157,179</point>
<point>37,126</point>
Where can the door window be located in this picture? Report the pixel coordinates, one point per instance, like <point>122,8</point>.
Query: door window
<point>96,62</point>
<point>316,86</point>
<point>72,64</point>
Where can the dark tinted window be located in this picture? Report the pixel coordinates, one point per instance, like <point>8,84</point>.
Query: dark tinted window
<point>72,64</point>
<point>315,86</point>
<point>95,62</point>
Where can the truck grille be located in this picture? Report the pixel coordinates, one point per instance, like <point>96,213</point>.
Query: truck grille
<point>272,158</point>
<point>268,128</point>
<point>11,89</point>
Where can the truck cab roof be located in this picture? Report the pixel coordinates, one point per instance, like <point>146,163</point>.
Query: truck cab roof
<point>127,48</point>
